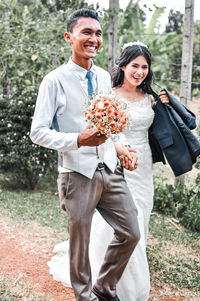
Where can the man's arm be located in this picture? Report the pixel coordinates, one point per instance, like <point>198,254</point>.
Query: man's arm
<point>45,112</point>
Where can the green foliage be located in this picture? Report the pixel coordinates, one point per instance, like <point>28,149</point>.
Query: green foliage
<point>173,254</point>
<point>175,22</point>
<point>131,24</point>
<point>190,217</point>
<point>62,5</point>
<point>180,201</point>
<point>102,57</point>
<point>32,45</point>
<point>22,162</point>
<point>196,60</point>
<point>154,20</point>
<point>174,54</point>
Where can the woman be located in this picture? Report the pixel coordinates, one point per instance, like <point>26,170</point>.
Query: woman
<point>132,83</point>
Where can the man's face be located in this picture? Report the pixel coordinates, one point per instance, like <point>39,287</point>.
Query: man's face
<point>85,39</point>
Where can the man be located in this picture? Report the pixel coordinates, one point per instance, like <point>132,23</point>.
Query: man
<point>85,182</point>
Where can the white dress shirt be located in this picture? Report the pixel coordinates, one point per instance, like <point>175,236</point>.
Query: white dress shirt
<point>80,73</point>
<point>44,111</point>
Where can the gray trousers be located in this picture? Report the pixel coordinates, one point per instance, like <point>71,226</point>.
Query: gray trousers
<point>109,194</point>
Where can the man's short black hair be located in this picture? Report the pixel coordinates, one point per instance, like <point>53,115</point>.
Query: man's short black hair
<point>83,12</point>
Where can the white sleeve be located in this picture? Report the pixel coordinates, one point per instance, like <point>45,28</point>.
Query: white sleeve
<point>45,111</point>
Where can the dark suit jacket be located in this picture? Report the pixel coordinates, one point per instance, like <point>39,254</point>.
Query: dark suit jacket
<point>170,136</point>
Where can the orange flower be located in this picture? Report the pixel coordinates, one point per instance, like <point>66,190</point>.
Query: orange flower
<point>89,116</point>
<point>99,110</point>
<point>110,119</point>
<point>95,101</point>
<point>98,116</point>
<point>110,110</point>
<point>106,103</point>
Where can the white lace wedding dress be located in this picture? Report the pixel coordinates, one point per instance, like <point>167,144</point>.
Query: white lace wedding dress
<point>134,284</point>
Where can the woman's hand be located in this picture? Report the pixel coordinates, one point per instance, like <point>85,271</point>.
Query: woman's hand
<point>164,97</point>
<point>127,156</point>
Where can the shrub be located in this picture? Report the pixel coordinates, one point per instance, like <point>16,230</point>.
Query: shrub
<point>21,161</point>
<point>182,202</point>
<point>190,217</point>
<point>32,45</point>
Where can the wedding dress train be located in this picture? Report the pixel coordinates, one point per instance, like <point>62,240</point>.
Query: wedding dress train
<point>134,284</point>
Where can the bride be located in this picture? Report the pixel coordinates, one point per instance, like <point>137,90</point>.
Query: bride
<point>132,83</point>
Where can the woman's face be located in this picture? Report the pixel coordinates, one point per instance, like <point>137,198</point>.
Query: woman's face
<point>136,71</point>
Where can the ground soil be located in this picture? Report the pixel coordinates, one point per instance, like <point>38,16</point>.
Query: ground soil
<point>24,254</point>
<point>25,251</point>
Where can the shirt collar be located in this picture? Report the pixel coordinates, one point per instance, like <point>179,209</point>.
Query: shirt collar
<point>80,70</point>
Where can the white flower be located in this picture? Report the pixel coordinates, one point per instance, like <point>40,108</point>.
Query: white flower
<point>100,105</point>
<point>138,43</point>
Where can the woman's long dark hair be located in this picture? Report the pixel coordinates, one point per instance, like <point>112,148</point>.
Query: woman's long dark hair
<point>127,55</point>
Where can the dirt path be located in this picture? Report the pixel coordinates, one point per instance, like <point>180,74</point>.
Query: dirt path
<point>19,262</point>
<point>24,254</point>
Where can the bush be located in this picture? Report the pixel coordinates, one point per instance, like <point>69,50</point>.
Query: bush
<point>180,201</point>
<point>190,217</point>
<point>21,161</point>
<point>32,44</point>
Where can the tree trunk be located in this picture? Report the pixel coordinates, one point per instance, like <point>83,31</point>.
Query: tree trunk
<point>187,53</point>
<point>112,33</point>
<point>186,67</point>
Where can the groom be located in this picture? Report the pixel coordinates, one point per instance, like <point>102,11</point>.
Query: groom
<point>86,181</point>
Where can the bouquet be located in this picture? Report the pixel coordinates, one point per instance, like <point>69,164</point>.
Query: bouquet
<point>107,114</point>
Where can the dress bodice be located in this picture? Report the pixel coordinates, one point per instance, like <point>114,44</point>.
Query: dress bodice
<point>141,118</point>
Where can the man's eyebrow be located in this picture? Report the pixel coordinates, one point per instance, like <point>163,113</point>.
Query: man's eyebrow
<point>89,29</point>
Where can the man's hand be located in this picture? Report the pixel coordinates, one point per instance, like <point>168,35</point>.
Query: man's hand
<point>89,137</point>
<point>127,156</point>
<point>164,97</point>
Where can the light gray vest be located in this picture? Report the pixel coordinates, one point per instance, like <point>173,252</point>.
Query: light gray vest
<point>85,159</point>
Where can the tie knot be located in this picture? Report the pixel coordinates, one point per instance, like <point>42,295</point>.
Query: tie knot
<point>89,75</point>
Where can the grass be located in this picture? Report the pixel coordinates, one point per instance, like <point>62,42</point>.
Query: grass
<point>18,291</point>
<point>173,254</point>
<point>173,251</point>
<point>41,207</point>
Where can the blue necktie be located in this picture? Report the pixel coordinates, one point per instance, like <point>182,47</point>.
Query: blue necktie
<point>89,76</point>
<point>100,148</point>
